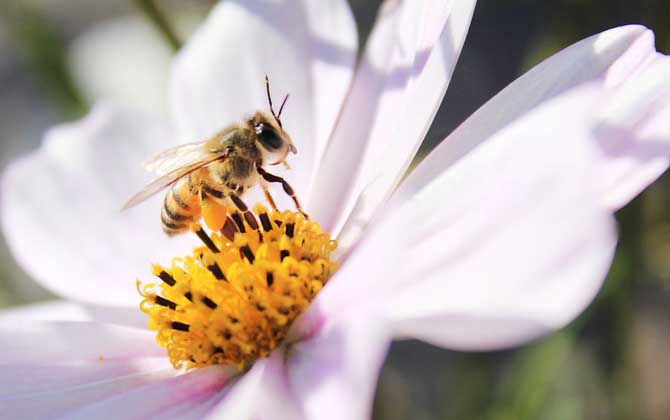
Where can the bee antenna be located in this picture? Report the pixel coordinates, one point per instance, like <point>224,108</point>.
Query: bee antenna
<point>281,108</point>
<point>267,90</point>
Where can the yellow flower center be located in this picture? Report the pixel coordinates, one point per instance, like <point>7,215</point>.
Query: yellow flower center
<point>233,300</point>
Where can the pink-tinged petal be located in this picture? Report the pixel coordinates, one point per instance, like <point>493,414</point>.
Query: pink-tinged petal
<point>190,395</point>
<point>50,368</point>
<point>334,372</point>
<point>263,393</point>
<point>510,243</point>
<point>398,88</point>
<point>61,208</point>
<point>306,47</point>
<point>610,57</point>
<point>633,131</point>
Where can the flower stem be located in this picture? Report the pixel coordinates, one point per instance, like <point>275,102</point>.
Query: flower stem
<point>160,21</point>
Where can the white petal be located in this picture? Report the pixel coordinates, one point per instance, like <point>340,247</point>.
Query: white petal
<point>306,47</point>
<point>135,75</point>
<point>334,373</point>
<point>187,396</point>
<point>90,370</point>
<point>72,341</point>
<point>50,368</point>
<point>57,310</point>
<point>510,243</point>
<point>263,393</point>
<point>611,57</point>
<point>62,310</point>
<point>515,239</point>
<point>398,87</point>
<point>61,208</point>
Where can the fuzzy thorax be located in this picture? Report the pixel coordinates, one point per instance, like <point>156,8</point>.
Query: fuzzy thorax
<point>233,301</point>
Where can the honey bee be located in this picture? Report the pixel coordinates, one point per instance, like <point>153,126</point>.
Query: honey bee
<point>206,176</point>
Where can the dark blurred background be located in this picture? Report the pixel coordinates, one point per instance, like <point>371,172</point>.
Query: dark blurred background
<point>613,362</point>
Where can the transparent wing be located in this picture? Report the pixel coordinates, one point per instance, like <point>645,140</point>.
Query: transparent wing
<point>170,178</point>
<point>177,157</point>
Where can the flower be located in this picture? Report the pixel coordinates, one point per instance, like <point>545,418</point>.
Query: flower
<point>502,234</point>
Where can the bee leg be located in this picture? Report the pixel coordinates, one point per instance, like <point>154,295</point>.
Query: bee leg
<point>268,196</point>
<point>248,215</point>
<point>287,188</point>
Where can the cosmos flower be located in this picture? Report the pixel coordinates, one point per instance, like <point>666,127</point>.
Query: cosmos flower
<point>502,234</point>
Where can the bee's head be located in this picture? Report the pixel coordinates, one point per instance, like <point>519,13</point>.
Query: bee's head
<point>274,142</point>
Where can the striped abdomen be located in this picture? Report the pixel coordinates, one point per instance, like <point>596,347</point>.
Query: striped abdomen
<point>181,206</point>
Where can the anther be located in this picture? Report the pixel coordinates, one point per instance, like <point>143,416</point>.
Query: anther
<point>160,300</point>
<point>180,326</point>
<point>269,278</point>
<point>265,221</point>
<point>205,238</point>
<point>189,296</point>
<point>209,302</point>
<point>238,221</point>
<point>167,278</point>
<point>248,253</point>
<point>216,271</point>
<point>290,229</point>
<point>283,254</point>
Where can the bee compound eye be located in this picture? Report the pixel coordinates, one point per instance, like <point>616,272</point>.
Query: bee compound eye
<point>268,137</point>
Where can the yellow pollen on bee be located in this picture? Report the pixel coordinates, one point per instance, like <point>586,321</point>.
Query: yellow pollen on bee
<point>232,302</point>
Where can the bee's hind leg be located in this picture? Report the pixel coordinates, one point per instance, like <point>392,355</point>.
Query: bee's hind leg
<point>248,215</point>
<point>287,187</point>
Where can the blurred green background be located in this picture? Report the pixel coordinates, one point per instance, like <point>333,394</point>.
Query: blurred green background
<point>613,362</point>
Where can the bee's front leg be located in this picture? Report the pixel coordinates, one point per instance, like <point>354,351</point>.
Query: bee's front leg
<point>287,188</point>
<point>248,215</point>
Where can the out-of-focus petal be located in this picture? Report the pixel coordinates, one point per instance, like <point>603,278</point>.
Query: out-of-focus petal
<point>191,395</point>
<point>510,243</point>
<point>57,310</point>
<point>91,370</point>
<point>49,367</point>
<point>263,393</point>
<point>61,310</point>
<point>61,208</point>
<point>334,372</point>
<point>398,88</point>
<point>306,47</point>
<point>633,133</point>
<point>134,75</point>
<point>611,57</point>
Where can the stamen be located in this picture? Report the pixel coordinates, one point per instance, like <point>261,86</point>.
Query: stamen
<point>209,302</point>
<point>248,254</point>
<point>166,277</point>
<point>180,326</point>
<point>164,302</point>
<point>204,238</point>
<point>290,229</point>
<point>238,221</point>
<point>216,271</point>
<point>233,301</point>
<point>265,221</point>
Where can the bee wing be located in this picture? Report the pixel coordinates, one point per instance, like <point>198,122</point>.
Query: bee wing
<point>170,178</point>
<point>176,157</point>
